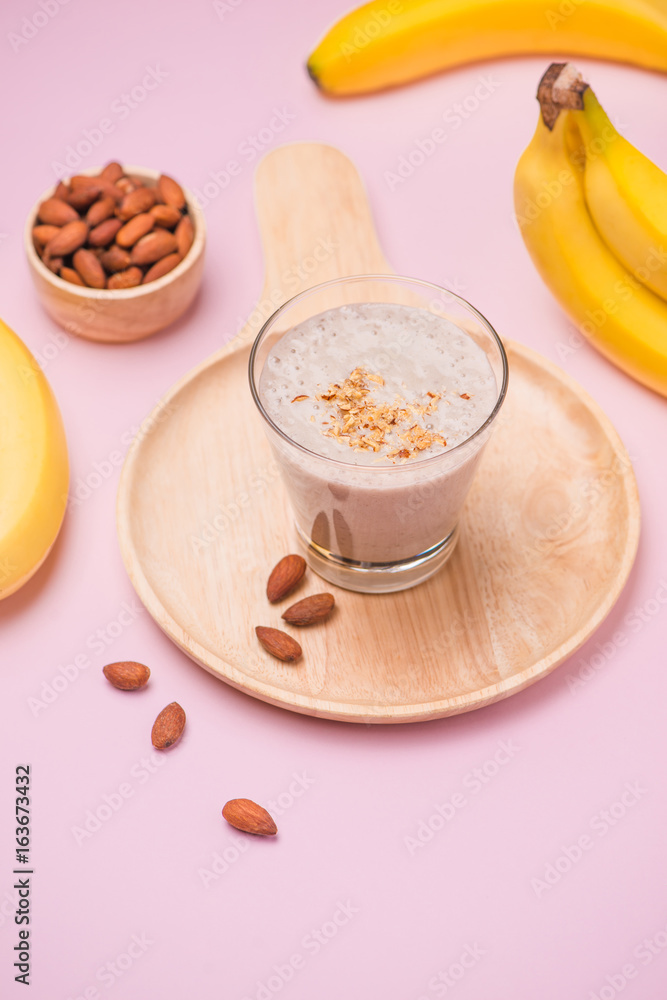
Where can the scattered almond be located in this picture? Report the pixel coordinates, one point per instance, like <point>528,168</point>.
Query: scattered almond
<point>284,577</point>
<point>127,675</point>
<point>310,610</point>
<point>168,727</point>
<point>247,816</point>
<point>279,644</point>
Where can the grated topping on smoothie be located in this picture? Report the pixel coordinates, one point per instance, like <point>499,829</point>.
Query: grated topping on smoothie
<point>355,417</point>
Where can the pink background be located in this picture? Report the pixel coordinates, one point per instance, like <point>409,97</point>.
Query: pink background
<point>574,747</point>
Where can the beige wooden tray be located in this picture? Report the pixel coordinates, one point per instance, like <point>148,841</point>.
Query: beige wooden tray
<point>548,537</point>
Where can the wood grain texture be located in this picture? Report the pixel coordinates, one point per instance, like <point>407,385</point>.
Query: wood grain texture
<point>130,314</point>
<point>549,532</point>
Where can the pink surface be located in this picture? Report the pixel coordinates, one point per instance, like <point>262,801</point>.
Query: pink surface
<point>130,910</point>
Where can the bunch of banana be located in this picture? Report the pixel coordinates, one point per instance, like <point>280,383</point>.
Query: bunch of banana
<point>389,42</point>
<point>34,471</point>
<point>593,214</point>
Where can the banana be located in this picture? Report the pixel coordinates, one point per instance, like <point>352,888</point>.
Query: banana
<point>619,315</point>
<point>34,470</point>
<point>389,42</point>
<point>626,195</point>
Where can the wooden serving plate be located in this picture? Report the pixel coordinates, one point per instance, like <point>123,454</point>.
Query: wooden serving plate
<point>548,537</point>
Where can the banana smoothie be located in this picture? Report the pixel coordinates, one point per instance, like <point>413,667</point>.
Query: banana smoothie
<point>377,406</point>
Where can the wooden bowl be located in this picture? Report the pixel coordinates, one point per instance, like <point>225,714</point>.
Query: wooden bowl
<point>120,315</point>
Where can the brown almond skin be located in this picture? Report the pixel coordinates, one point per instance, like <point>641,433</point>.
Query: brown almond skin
<point>82,198</point>
<point>100,210</point>
<point>279,644</point>
<point>284,577</point>
<point>247,816</point>
<point>80,181</point>
<point>129,278</point>
<point>55,212</point>
<point>170,192</point>
<point>162,267</point>
<point>61,191</point>
<point>53,263</point>
<point>70,237</point>
<point>185,235</point>
<point>112,172</point>
<point>166,216</point>
<point>125,185</point>
<point>42,234</point>
<point>310,610</point>
<point>104,234</point>
<point>168,727</point>
<point>127,675</point>
<point>88,267</point>
<point>69,274</point>
<point>115,259</point>
<point>139,200</point>
<point>133,230</point>
<point>153,247</point>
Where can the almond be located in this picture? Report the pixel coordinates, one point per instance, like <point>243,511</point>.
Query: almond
<point>69,274</point>
<point>247,816</point>
<point>284,577</point>
<point>139,200</point>
<point>170,192</point>
<point>115,259</point>
<point>129,278</point>
<point>53,263</point>
<point>42,234</point>
<point>153,246</point>
<point>82,198</point>
<point>69,238</point>
<point>168,727</point>
<point>310,610</point>
<point>125,185</point>
<point>127,675</point>
<point>61,191</point>
<point>162,267</point>
<point>81,181</point>
<point>278,644</point>
<point>103,234</point>
<point>135,229</point>
<point>89,268</point>
<point>112,172</point>
<point>185,235</point>
<point>55,212</point>
<point>166,216</point>
<point>100,210</point>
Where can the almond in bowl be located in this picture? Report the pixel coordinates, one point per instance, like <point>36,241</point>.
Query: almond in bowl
<point>116,253</point>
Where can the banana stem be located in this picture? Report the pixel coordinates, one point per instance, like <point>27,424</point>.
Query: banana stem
<point>561,88</point>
